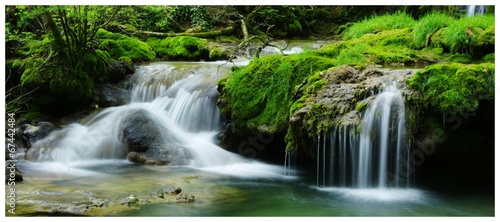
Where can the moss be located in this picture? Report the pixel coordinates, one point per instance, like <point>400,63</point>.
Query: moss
<point>119,45</point>
<point>96,65</point>
<point>487,37</point>
<point>259,96</point>
<point>438,51</point>
<point>126,59</point>
<point>460,58</point>
<point>361,106</point>
<point>454,87</point>
<point>437,39</point>
<point>186,48</point>
<point>489,58</point>
<point>385,47</point>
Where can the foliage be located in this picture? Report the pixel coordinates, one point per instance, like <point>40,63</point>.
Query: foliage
<point>385,22</point>
<point>259,96</point>
<point>462,35</point>
<point>489,58</point>
<point>197,16</point>
<point>121,46</point>
<point>147,17</point>
<point>455,88</point>
<point>427,26</point>
<point>460,58</point>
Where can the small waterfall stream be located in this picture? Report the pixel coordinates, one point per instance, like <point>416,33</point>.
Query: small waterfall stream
<point>475,9</point>
<point>373,155</point>
<point>181,103</point>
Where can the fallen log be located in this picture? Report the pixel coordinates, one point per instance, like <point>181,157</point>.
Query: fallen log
<point>130,31</point>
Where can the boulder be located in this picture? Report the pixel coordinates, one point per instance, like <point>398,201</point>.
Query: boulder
<point>31,134</point>
<point>119,70</point>
<point>107,95</point>
<point>147,143</point>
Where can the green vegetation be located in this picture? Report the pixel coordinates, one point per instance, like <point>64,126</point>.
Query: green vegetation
<point>386,47</point>
<point>379,23</point>
<point>463,34</point>
<point>427,26</point>
<point>121,46</point>
<point>455,88</point>
<point>185,48</point>
<point>259,96</point>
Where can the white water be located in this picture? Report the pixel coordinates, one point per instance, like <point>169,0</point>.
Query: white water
<point>375,158</point>
<point>475,9</point>
<point>183,107</point>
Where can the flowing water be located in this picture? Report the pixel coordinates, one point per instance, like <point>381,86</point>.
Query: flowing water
<point>475,10</point>
<point>82,169</point>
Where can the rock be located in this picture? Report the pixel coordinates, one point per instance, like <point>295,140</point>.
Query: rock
<point>147,143</point>
<point>119,70</point>
<point>31,134</point>
<point>107,96</point>
<point>185,198</point>
<point>168,191</point>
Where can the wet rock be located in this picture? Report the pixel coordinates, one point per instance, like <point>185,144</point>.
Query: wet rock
<point>119,70</point>
<point>184,198</point>
<point>162,192</point>
<point>31,134</point>
<point>149,144</point>
<point>107,96</point>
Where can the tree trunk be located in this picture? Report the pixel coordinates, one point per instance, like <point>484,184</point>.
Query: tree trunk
<point>50,25</point>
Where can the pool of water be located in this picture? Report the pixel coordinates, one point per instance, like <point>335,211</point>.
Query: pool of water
<point>99,188</point>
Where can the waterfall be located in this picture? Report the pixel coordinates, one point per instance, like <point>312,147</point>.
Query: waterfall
<point>375,156</point>
<point>475,9</point>
<point>178,103</point>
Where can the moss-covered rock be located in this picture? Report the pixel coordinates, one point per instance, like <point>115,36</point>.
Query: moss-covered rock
<point>258,97</point>
<point>186,48</point>
<point>455,88</point>
<point>389,47</point>
<point>119,45</point>
<point>336,98</point>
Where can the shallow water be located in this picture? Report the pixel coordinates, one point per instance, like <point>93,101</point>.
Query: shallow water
<point>258,190</point>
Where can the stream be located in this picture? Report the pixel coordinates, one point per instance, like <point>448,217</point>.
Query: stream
<point>85,170</point>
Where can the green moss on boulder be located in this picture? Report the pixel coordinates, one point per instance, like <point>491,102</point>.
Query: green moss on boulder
<point>258,97</point>
<point>454,87</point>
<point>119,45</point>
<point>186,48</point>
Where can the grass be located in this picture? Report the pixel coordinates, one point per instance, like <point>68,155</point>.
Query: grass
<point>462,35</point>
<point>427,26</point>
<point>385,22</point>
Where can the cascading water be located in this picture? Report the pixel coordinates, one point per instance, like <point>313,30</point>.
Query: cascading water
<point>375,156</point>
<point>182,104</point>
<point>475,9</point>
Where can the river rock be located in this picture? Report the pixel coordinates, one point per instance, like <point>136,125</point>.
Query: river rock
<point>119,70</point>
<point>31,134</point>
<point>147,143</point>
<point>107,95</point>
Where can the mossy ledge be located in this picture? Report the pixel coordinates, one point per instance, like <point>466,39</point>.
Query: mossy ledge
<point>257,98</point>
<point>344,94</point>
